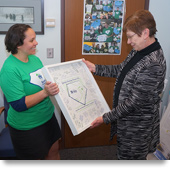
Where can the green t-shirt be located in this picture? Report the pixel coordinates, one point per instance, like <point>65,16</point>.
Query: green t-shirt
<point>117,14</point>
<point>19,79</point>
<point>108,31</point>
<point>105,49</point>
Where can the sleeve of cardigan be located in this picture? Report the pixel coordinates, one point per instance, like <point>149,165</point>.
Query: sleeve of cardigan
<point>107,70</point>
<point>112,70</point>
<point>144,94</point>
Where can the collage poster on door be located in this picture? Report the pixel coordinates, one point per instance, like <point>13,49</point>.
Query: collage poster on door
<point>102,27</point>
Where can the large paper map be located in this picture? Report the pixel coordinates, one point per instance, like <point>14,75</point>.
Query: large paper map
<point>80,98</point>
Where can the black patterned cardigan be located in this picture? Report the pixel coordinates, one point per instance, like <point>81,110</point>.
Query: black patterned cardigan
<point>137,114</point>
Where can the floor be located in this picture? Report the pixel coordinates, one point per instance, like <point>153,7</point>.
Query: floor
<point>90,153</point>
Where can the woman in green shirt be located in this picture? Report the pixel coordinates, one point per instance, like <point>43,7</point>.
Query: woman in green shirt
<point>108,31</point>
<point>34,130</point>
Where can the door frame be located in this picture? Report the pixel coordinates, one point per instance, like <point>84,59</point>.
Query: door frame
<point>62,145</point>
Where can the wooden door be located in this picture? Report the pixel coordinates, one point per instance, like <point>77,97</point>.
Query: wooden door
<point>72,27</point>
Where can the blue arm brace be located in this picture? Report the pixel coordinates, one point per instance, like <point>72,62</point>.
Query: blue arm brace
<point>19,105</point>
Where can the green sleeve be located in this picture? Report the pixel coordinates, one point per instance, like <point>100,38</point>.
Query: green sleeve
<point>12,85</point>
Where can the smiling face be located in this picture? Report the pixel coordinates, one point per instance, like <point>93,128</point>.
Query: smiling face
<point>29,43</point>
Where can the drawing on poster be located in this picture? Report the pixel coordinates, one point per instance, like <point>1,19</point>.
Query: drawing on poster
<point>80,98</point>
<point>77,91</point>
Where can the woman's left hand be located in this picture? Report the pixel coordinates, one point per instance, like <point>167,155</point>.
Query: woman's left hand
<point>51,88</point>
<point>98,121</point>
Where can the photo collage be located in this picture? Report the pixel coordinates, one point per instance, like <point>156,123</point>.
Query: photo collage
<point>102,30</point>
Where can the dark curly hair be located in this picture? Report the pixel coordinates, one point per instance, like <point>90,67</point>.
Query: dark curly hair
<point>15,37</point>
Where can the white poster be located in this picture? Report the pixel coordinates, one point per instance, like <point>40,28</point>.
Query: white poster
<point>80,98</point>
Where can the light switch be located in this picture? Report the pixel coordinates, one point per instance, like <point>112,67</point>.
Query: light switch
<point>50,22</point>
<point>50,52</point>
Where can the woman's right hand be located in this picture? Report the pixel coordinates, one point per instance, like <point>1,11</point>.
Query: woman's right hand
<point>50,89</point>
<point>90,65</point>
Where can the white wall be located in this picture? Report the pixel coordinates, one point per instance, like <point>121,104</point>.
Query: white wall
<point>50,39</point>
<point>161,13</point>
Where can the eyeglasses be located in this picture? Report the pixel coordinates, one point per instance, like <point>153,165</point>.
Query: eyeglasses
<point>130,37</point>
